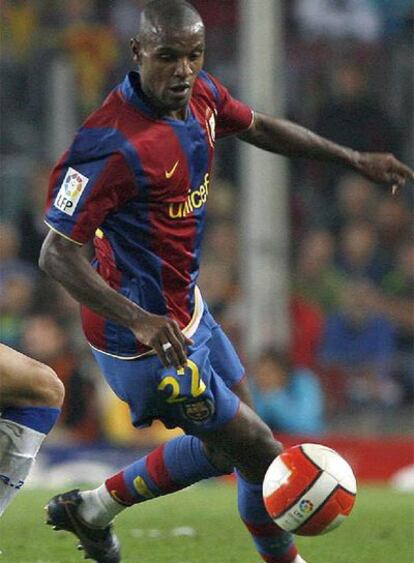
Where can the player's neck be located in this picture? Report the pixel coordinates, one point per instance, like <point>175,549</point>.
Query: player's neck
<point>179,114</point>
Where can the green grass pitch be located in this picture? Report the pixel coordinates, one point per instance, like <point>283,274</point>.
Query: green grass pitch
<point>200,525</point>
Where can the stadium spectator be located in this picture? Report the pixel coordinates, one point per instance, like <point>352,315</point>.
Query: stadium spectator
<point>10,262</point>
<point>222,243</point>
<point>352,116</point>
<point>16,300</point>
<point>122,17</point>
<point>91,48</point>
<point>316,279</point>
<point>46,341</point>
<point>357,350</point>
<point>307,321</point>
<point>218,285</point>
<point>29,218</point>
<point>344,19</point>
<point>20,28</point>
<point>395,16</point>
<point>20,36</point>
<point>290,400</point>
<point>393,221</point>
<point>397,302</point>
<point>359,253</point>
<point>356,201</point>
<point>17,285</point>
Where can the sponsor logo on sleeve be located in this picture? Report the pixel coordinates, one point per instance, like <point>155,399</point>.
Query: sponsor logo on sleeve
<point>70,191</point>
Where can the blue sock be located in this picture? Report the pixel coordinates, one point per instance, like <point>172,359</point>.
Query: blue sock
<point>41,419</point>
<point>273,544</point>
<point>171,467</point>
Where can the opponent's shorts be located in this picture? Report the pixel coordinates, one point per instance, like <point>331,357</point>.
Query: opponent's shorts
<point>197,398</point>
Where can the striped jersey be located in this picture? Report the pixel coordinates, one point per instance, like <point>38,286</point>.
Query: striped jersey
<point>136,183</point>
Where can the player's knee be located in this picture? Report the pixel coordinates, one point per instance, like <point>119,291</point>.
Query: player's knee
<point>51,390</point>
<point>261,439</point>
<point>219,459</point>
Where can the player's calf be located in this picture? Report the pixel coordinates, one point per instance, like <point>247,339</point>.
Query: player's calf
<point>246,442</point>
<point>251,447</point>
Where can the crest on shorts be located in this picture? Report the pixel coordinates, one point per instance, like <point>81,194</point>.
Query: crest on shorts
<point>198,411</point>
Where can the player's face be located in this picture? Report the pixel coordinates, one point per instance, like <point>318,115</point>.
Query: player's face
<point>169,62</point>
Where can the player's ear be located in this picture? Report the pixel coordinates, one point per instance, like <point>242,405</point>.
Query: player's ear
<point>136,50</point>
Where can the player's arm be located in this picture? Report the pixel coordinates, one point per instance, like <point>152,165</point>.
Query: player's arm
<point>63,260</point>
<point>287,138</point>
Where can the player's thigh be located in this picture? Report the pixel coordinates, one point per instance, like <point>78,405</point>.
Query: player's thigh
<point>192,398</point>
<point>223,356</point>
<point>245,440</point>
<point>228,365</point>
<point>24,381</point>
<point>134,382</point>
<point>195,398</point>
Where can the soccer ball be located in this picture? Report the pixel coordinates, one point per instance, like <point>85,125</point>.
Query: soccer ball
<point>309,489</point>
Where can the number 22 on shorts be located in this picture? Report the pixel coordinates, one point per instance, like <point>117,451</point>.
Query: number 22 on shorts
<point>197,384</point>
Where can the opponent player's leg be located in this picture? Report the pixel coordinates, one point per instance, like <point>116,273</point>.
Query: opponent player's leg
<point>30,399</point>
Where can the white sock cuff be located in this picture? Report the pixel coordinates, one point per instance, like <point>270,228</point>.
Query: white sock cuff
<point>23,438</point>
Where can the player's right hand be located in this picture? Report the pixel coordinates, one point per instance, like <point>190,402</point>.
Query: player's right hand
<point>165,337</point>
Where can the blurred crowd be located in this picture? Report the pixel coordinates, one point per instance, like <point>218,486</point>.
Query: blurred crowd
<point>349,77</point>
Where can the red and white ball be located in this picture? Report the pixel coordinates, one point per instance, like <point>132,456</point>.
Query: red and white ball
<point>309,489</point>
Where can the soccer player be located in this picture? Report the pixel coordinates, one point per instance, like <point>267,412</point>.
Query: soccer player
<point>30,399</point>
<point>136,180</point>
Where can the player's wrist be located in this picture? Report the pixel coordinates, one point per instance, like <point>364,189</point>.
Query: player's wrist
<point>137,318</point>
<point>353,159</point>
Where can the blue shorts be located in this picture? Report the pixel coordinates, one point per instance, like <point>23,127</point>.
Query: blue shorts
<point>197,398</point>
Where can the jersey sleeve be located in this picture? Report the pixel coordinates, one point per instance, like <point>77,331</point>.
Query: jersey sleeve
<point>89,182</point>
<point>232,116</point>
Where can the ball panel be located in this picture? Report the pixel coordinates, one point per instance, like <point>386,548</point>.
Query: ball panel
<point>329,514</point>
<point>307,504</point>
<point>329,460</point>
<point>289,476</point>
<point>317,453</point>
<point>277,475</point>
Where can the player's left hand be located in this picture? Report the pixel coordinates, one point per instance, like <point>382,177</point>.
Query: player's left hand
<point>384,168</point>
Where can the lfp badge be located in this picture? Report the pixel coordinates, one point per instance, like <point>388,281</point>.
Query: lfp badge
<point>70,191</point>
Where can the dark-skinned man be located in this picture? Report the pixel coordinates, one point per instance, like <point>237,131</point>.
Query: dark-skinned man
<point>136,180</point>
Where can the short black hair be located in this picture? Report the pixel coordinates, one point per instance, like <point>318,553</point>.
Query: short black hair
<point>167,14</point>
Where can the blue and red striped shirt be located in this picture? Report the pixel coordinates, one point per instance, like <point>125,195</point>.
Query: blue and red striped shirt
<point>137,183</point>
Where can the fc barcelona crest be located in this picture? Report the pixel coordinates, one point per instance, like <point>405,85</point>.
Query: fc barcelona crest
<point>198,411</point>
<point>211,126</point>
